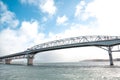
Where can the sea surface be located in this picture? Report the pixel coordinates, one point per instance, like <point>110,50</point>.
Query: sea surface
<point>61,71</point>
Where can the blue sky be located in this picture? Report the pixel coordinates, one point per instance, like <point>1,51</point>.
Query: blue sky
<point>25,23</point>
<point>26,11</point>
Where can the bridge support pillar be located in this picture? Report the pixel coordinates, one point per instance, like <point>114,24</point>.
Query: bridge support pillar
<point>30,59</point>
<point>0,60</point>
<point>8,61</point>
<point>110,56</point>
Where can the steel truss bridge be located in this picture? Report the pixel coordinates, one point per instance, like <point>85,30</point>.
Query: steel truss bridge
<point>105,42</point>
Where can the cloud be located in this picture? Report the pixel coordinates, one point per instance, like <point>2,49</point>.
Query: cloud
<point>7,17</point>
<point>46,6</point>
<point>12,41</point>
<point>79,12</point>
<point>107,14</point>
<point>30,29</point>
<point>61,20</point>
<point>79,8</point>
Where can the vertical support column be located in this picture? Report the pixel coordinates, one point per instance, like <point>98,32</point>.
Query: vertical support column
<point>30,59</point>
<point>1,60</point>
<point>8,61</point>
<point>110,56</point>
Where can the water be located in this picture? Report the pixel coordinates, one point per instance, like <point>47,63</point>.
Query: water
<point>61,71</point>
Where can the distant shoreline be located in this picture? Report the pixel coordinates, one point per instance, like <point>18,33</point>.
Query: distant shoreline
<point>101,60</point>
<point>86,60</point>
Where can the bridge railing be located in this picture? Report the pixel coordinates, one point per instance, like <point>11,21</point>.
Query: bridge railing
<point>72,40</point>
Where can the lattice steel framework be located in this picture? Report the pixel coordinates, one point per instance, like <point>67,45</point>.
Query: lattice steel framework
<point>73,40</point>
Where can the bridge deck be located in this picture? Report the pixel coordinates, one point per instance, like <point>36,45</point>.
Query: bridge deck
<point>81,41</point>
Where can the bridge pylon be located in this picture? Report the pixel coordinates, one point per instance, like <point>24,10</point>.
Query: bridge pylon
<point>110,55</point>
<point>30,59</point>
<point>8,61</point>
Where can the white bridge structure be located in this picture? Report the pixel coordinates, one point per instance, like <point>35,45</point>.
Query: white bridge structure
<point>105,42</point>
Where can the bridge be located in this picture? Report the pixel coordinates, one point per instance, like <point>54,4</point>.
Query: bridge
<point>105,42</point>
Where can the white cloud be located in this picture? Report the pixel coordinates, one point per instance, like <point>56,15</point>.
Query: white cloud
<point>61,20</point>
<point>79,8</point>
<point>76,30</point>
<point>7,17</point>
<point>106,13</point>
<point>12,41</point>
<point>29,28</point>
<point>80,13</point>
<point>31,31</point>
<point>46,6</point>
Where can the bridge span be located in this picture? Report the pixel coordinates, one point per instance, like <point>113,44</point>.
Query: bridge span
<point>104,42</point>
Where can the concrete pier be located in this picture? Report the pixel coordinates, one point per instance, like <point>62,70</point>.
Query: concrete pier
<point>110,56</point>
<point>0,60</point>
<point>30,59</point>
<point>8,61</point>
